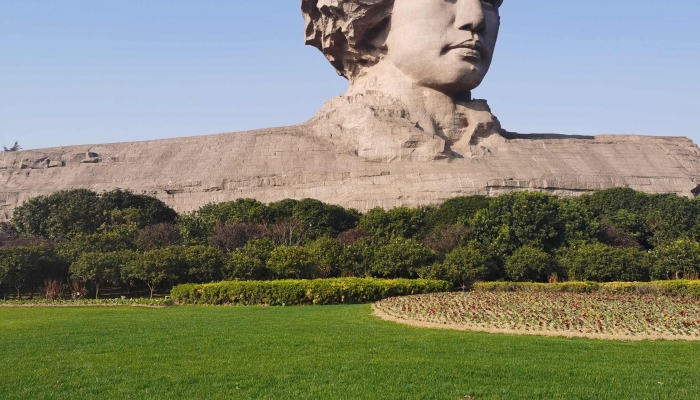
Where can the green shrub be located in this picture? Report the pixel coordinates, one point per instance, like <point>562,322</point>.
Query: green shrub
<point>520,219</point>
<point>400,221</point>
<point>679,259</point>
<point>202,263</point>
<point>601,263</point>
<point>328,254</point>
<point>250,261</point>
<point>303,292</point>
<point>159,235</point>
<point>119,238</point>
<point>292,262</point>
<point>69,213</point>
<point>240,211</point>
<point>458,210</point>
<point>358,257</point>
<point>322,219</point>
<point>399,258</point>
<point>468,264</point>
<point>573,287</point>
<point>530,265</point>
<point>610,201</point>
<point>579,222</point>
<point>148,210</point>
<point>443,239</point>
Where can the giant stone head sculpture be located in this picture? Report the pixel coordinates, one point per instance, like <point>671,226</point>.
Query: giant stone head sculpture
<point>446,45</point>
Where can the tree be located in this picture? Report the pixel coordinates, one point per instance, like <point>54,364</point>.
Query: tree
<point>520,219</point>
<point>15,147</point>
<point>401,221</point>
<point>358,255</point>
<point>238,211</point>
<point>445,238</point>
<point>155,267</point>
<point>324,219</point>
<point>230,236</point>
<point>21,266</point>
<point>288,232</point>
<point>203,263</point>
<point>66,214</point>
<point>101,268</point>
<point>292,262</point>
<point>59,216</point>
<point>672,218</point>
<point>458,210</point>
<point>676,260</point>
<point>610,201</point>
<point>157,236</point>
<point>528,264</point>
<point>148,210</point>
<point>250,261</point>
<point>328,253</point>
<point>400,258</point>
<point>466,265</point>
<point>601,263</point>
<point>116,239</point>
<point>192,228</point>
<point>351,236</point>
<point>578,222</point>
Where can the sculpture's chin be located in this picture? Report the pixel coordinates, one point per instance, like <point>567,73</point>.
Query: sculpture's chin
<point>456,77</point>
<point>459,83</point>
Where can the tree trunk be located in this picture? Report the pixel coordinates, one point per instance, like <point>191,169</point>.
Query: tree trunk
<point>97,291</point>
<point>152,288</point>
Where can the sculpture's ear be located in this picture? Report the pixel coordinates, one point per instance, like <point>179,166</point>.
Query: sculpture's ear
<point>378,35</point>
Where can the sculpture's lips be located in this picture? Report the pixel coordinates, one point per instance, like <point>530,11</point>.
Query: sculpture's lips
<point>468,49</point>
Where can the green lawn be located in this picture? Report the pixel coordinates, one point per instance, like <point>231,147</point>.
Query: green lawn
<point>338,352</point>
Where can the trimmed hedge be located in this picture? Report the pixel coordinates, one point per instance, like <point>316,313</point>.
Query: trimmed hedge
<point>575,287</point>
<point>303,292</point>
<point>681,288</point>
<point>39,302</point>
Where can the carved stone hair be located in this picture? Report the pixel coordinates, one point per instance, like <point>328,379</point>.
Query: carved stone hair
<point>342,29</point>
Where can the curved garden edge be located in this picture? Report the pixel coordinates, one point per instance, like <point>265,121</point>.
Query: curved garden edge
<point>381,314</point>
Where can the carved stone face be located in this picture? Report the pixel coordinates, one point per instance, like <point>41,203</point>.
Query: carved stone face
<point>446,45</point>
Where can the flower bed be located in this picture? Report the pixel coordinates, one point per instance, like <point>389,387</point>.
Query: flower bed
<point>596,315</point>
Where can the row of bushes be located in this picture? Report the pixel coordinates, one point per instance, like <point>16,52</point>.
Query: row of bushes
<point>28,267</point>
<point>617,217</point>
<point>129,240</point>
<point>583,262</point>
<point>681,288</point>
<point>133,302</point>
<point>303,292</point>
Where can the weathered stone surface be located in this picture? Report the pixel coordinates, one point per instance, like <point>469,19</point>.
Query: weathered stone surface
<point>274,164</point>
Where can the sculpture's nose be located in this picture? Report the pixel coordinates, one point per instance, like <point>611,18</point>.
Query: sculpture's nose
<point>469,15</point>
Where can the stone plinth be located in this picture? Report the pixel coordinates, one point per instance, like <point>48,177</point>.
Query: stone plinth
<point>290,162</point>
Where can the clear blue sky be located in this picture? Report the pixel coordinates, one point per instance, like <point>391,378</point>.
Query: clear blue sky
<point>86,71</point>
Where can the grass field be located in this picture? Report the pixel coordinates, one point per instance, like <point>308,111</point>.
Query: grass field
<point>335,352</point>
